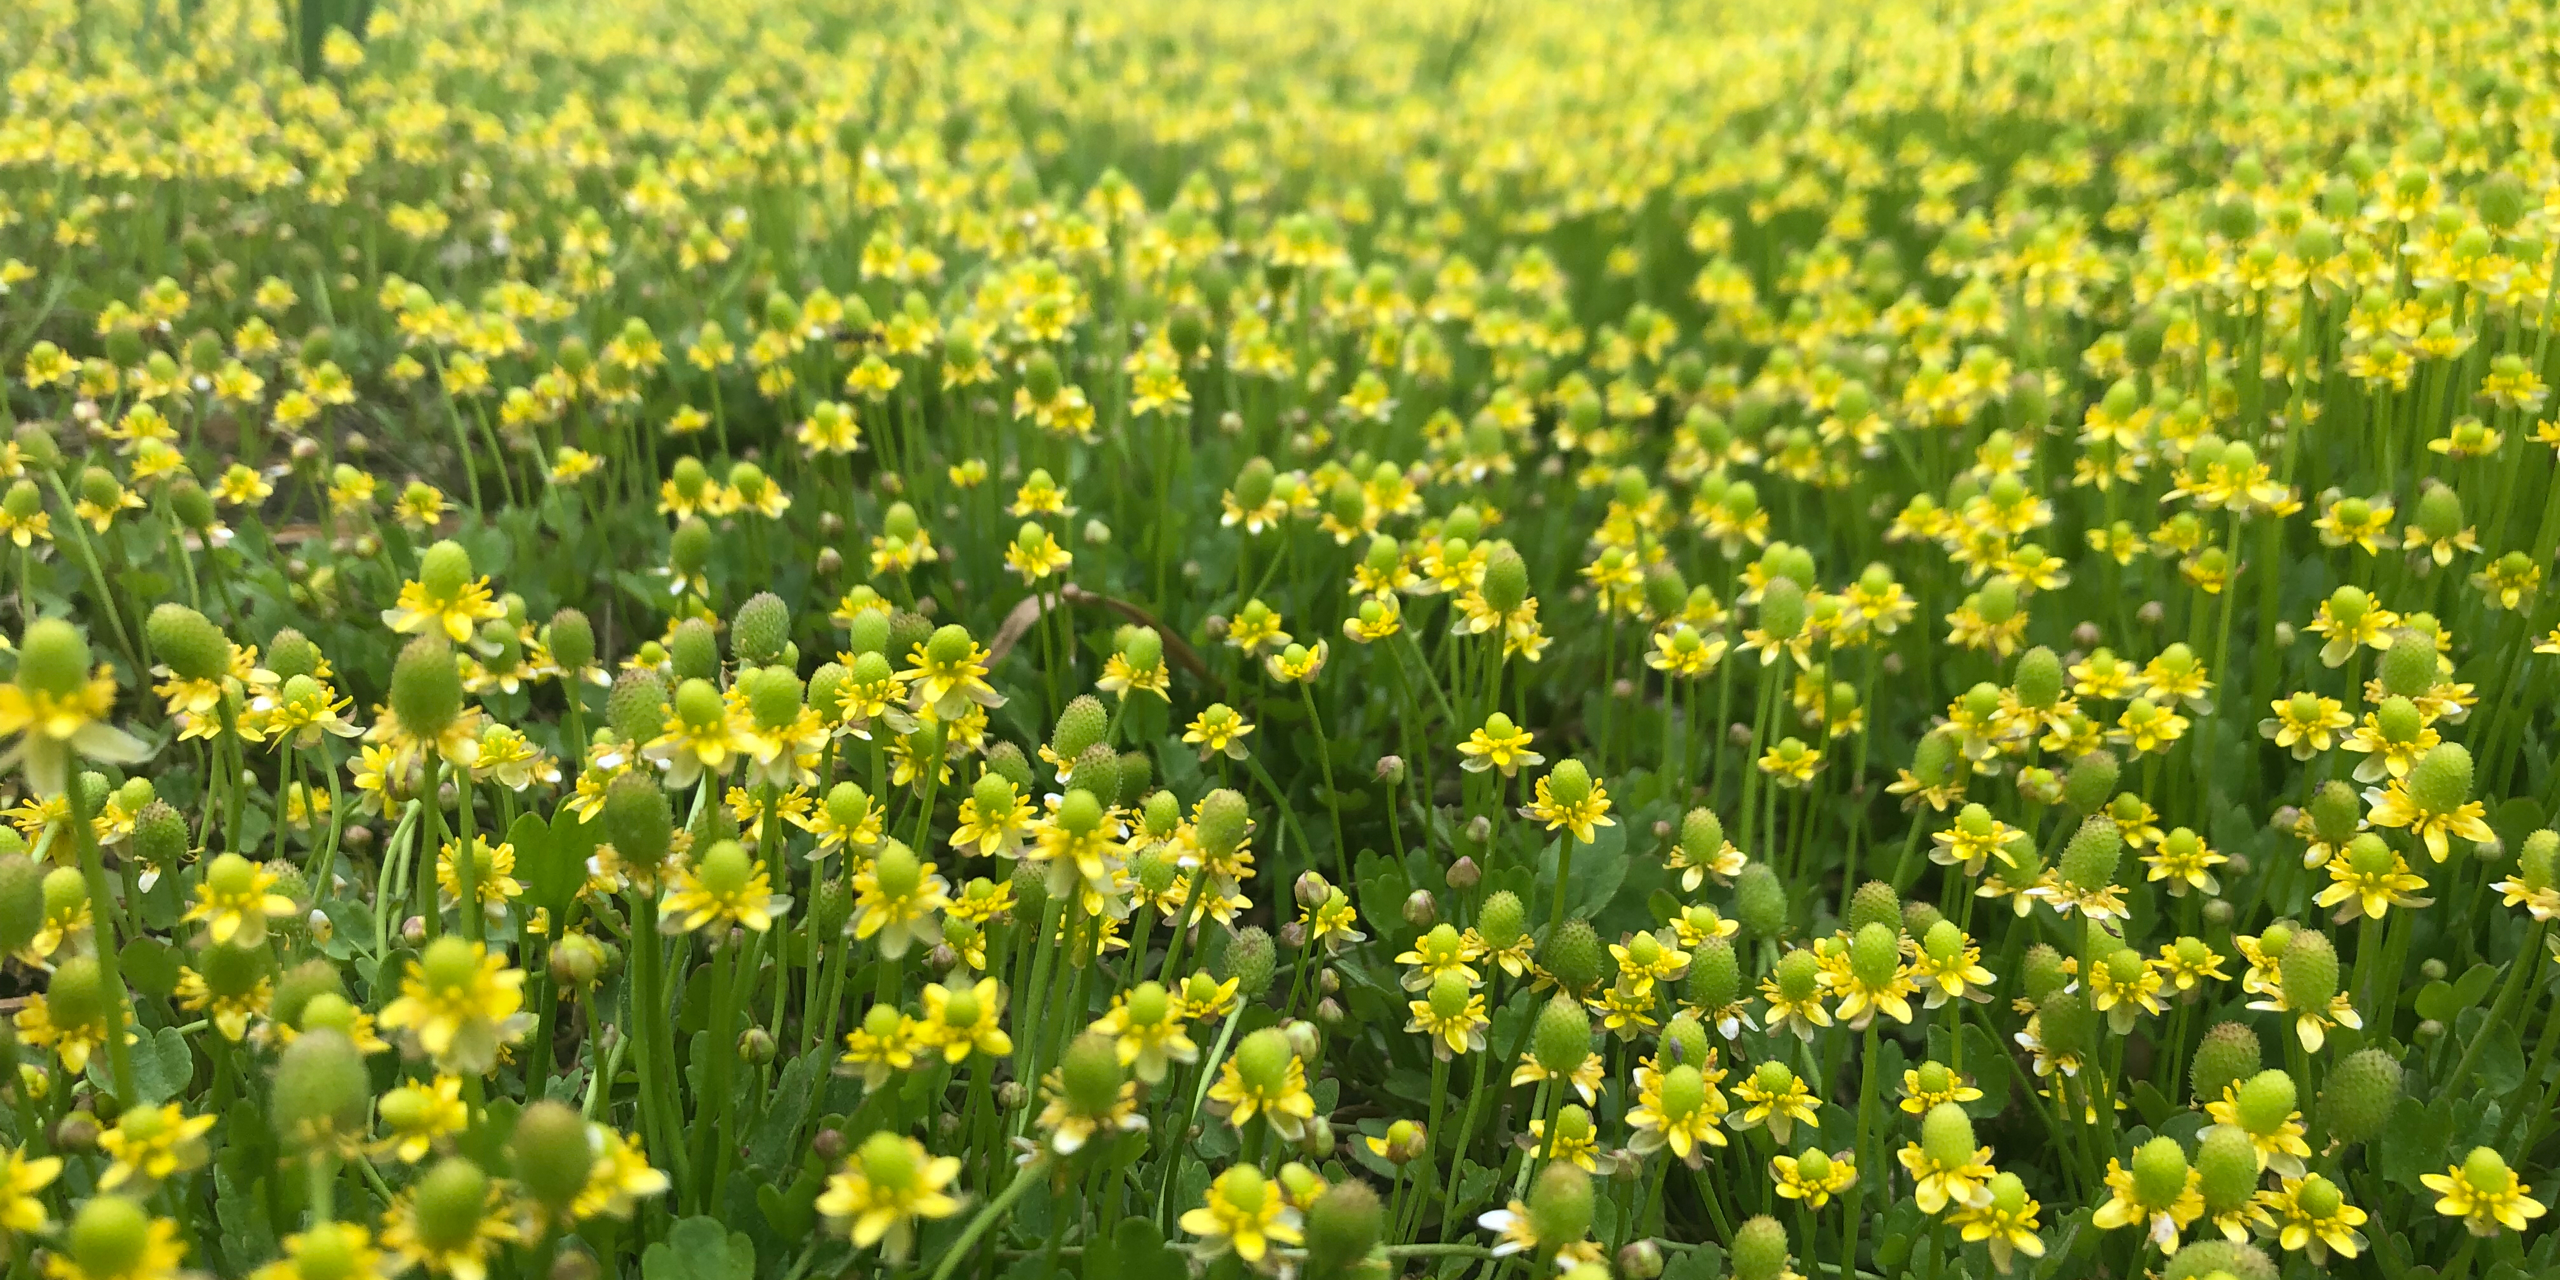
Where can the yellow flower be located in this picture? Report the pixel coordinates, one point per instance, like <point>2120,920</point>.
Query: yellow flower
<point>457,614</point>
<point>57,708</point>
<point>133,1245</point>
<point>459,1003</point>
<point>233,902</point>
<point>721,890</point>
<point>1813,1177</point>
<point>960,1019</point>
<point>2484,1193</point>
<point>148,1145</point>
<point>884,1044</point>
<point>419,1112</point>
<point>1244,1214</point>
<point>2162,1214</point>
<point>417,1244</point>
<point>22,1211</point>
<point>494,882</point>
<point>1146,1028</point>
<point>1218,729</point>
<point>1678,1110</point>
<point>1581,809</point>
<point>1497,744</point>
<point>2005,1219</point>
<point>1275,1091</point>
<point>2396,806</point>
<point>884,1187</point>
<point>328,1249</point>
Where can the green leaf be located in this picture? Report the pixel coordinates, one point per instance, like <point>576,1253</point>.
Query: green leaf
<point>2436,1001</point>
<point>700,1248</point>
<point>791,1211</point>
<point>784,1109</point>
<point>162,1064</point>
<point>2473,985</point>
<point>2415,1142</point>
<point>1144,1255</point>
<point>2502,1067</point>
<point>1987,1061</point>
<point>151,966</point>
<point>2155,1109</point>
<point>549,882</point>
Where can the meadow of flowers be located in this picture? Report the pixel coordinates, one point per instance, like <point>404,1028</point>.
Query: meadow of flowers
<point>1149,640</point>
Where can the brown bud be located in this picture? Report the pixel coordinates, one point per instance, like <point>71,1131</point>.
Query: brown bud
<point>1464,874</point>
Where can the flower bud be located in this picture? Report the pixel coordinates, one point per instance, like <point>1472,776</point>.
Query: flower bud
<point>1463,874</point>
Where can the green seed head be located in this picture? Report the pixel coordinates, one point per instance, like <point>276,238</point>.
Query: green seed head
<point>638,819</point>
<point>2159,1172</point>
<point>2486,1171</point>
<point>2219,1259</point>
<point>868,632</point>
<point>2038,680</point>
<point>451,1200</point>
<point>2090,780</point>
<point>321,1089</point>
<point>1263,1059</point>
<point>1759,901</point>
<point>22,901</point>
<point>2227,1166</point>
<point>693,651</point>
<point>188,642</point>
<point>1560,1203</point>
<point>426,687</point>
<point>1343,1225</point>
<point>1501,920</point>
<point>1715,976</point>
<point>1946,1136</point>
<point>1799,975</point>
<point>1875,955</point>
<point>2357,1097</point>
<point>1091,1073</point>
<point>2089,861</point>
<point>2408,667</point>
<point>551,1153</point>
<point>2334,811</point>
<point>1683,1040</point>
<point>2068,1025</point>
<point>110,1236</point>
<point>1080,725</point>
<point>1569,782</point>
<point>760,629</point>
<point>637,707</point>
<point>444,570</point>
<point>1701,834</point>
<point>2043,973</point>
<point>1782,609</point>
<point>2266,1102</point>
<point>1250,960</point>
<point>2439,512</point>
<point>1506,578</point>
<point>1874,903</point>
<point>1759,1250</point>
<point>2309,972</point>
<point>1572,956</point>
<point>2440,782</point>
